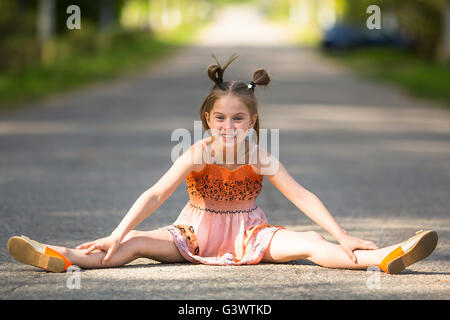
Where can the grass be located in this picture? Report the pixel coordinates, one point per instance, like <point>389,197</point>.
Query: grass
<point>118,54</point>
<point>421,77</point>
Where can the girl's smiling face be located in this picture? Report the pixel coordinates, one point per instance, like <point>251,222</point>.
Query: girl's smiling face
<point>229,120</point>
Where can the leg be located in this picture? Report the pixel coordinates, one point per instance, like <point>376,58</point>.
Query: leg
<point>289,245</point>
<point>154,244</point>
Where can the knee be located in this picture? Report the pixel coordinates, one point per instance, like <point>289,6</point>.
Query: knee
<point>313,235</point>
<point>134,233</point>
<point>130,235</point>
<point>134,242</point>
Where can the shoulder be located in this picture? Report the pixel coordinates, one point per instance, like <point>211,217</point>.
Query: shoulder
<point>263,162</point>
<point>197,154</point>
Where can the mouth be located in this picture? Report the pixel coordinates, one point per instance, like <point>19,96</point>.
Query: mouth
<point>230,137</point>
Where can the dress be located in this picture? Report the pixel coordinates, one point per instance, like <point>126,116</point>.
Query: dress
<point>221,224</point>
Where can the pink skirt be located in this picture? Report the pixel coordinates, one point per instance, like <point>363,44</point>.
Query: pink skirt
<point>222,236</point>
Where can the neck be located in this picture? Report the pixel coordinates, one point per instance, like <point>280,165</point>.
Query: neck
<point>236,154</point>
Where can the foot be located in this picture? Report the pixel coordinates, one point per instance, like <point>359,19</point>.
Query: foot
<point>31,252</point>
<point>411,251</point>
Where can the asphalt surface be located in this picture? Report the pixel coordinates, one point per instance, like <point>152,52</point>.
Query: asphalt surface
<point>73,164</point>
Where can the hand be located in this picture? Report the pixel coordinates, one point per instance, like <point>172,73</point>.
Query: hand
<point>349,243</point>
<point>108,244</point>
<point>208,141</point>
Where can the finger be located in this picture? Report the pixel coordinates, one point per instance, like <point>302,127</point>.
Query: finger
<point>366,247</point>
<point>84,245</point>
<point>108,255</point>
<point>369,245</point>
<point>209,140</point>
<point>373,245</point>
<point>91,248</point>
<point>351,255</point>
<point>354,259</point>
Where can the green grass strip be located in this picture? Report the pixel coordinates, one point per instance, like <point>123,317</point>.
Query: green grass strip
<point>421,77</point>
<point>123,53</point>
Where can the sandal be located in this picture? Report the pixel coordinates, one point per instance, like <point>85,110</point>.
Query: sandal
<point>31,252</point>
<point>411,251</point>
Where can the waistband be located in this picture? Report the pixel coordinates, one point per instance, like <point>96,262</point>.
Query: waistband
<point>222,209</point>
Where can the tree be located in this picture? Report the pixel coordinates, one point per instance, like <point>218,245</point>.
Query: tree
<point>46,28</point>
<point>444,53</point>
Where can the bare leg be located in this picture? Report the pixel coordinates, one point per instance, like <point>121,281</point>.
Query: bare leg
<point>289,245</point>
<point>154,244</point>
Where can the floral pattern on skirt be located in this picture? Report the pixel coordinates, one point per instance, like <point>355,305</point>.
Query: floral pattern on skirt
<point>255,247</point>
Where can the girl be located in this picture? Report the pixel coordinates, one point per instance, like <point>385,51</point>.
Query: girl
<point>221,224</point>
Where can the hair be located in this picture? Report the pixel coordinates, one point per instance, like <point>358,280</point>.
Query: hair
<point>237,88</point>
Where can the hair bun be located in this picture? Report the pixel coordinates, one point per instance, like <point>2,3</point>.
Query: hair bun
<point>215,71</point>
<point>261,77</point>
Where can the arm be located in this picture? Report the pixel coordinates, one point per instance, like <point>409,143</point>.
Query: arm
<point>311,205</point>
<point>305,200</point>
<point>154,197</point>
<point>149,201</point>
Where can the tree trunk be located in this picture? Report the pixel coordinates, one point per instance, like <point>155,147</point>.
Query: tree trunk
<point>46,28</point>
<point>444,53</point>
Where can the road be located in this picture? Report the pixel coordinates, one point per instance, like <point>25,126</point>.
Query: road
<point>73,164</point>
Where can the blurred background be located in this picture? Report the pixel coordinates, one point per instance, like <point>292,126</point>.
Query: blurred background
<point>412,48</point>
<point>115,36</point>
<point>87,118</point>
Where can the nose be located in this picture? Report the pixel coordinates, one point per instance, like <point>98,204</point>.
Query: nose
<point>228,124</point>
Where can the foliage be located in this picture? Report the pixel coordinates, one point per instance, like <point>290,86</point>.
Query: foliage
<point>422,77</point>
<point>77,56</point>
<point>420,21</point>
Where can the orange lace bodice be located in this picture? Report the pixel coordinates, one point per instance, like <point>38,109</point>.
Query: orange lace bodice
<point>221,184</point>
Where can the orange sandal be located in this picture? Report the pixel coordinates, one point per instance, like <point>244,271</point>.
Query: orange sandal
<point>31,252</point>
<point>412,250</point>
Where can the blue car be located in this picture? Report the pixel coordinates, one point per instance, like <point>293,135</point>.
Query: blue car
<point>349,37</point>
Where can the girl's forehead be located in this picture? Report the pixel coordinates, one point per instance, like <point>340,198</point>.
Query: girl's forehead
<point>229,104</point>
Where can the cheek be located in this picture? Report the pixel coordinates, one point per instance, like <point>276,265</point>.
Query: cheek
<point>214,124</point>
<point>214,127</point>
<point>244,125</point>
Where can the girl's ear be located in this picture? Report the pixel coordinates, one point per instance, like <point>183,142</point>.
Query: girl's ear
<point>207,117</point>
<point>253,120</point>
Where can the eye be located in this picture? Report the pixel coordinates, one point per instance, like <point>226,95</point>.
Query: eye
<point>219,117</point>
<point>238,118</point>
